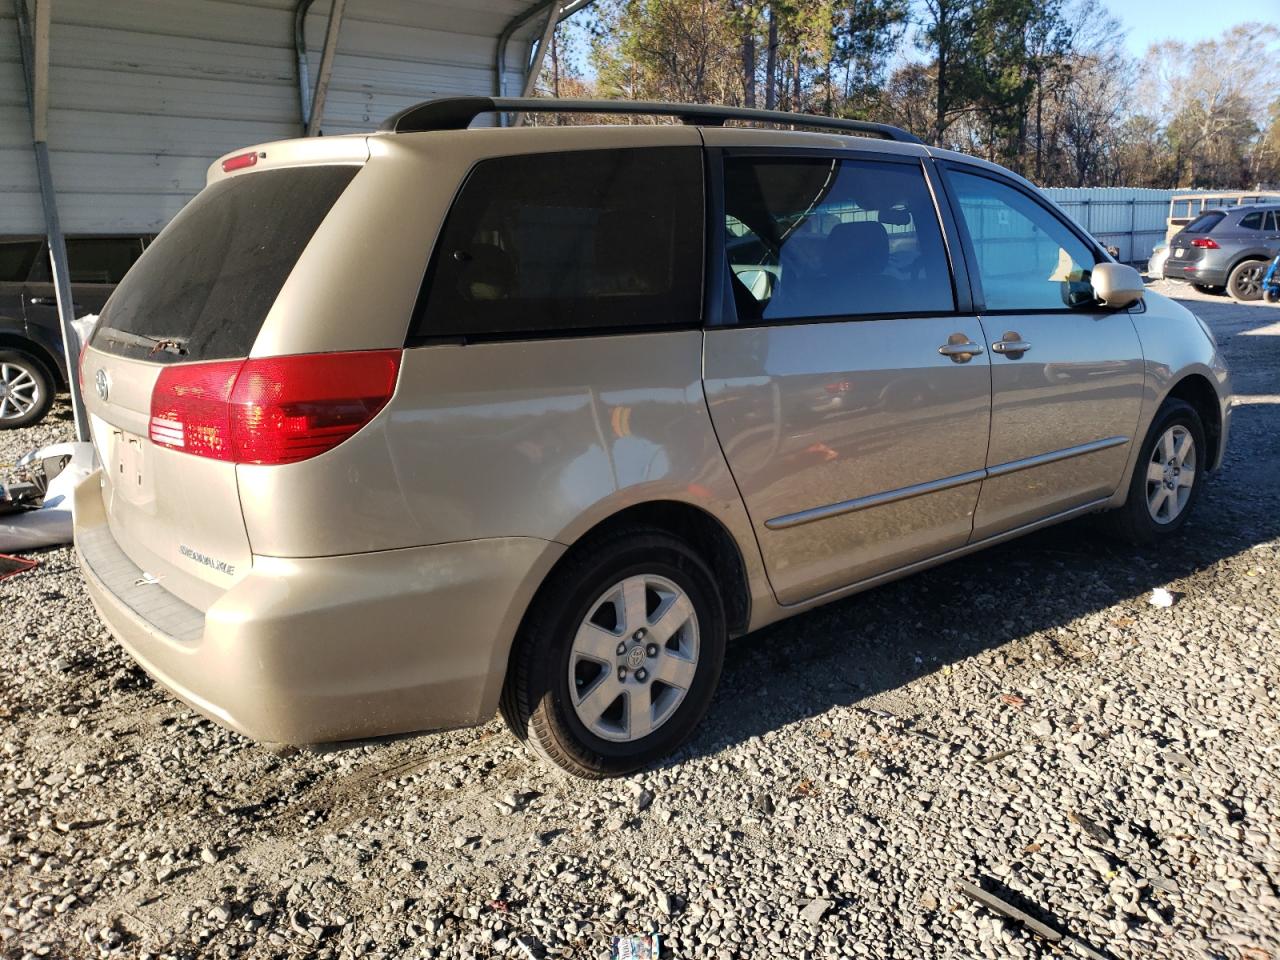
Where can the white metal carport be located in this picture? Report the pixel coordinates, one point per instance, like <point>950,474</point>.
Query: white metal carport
<point>130,100</point>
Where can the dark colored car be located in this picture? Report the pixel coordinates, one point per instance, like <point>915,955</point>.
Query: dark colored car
<point>33,367</point>
<point>1226,248</point>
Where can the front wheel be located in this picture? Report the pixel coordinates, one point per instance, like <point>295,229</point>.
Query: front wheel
<point>1245,282</point>
<point>619,656</point>
<point>1167,477</point>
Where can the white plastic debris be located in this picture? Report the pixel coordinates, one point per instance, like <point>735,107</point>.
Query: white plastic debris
<point>50,525</point>
<point>1160,597</point>
<point>83,326</point>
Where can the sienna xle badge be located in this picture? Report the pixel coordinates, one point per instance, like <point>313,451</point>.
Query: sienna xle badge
<point>398,430</point>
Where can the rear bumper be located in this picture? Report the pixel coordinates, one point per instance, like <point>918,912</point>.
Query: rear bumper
<point>332,648</point>
<point>1195,271</point>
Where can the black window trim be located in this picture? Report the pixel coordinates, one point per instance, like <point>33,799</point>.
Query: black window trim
<point>413,341</point>
<point>720,306</point>
<point>946,167</point>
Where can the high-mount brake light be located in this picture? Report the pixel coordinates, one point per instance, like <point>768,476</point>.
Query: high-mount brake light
<point>270,410</point>
<point>240,161</point>
<point>1205,243</point>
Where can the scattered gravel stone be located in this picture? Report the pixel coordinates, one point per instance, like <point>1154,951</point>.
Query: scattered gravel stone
<point>815,910</point>
<point>1110,762</point>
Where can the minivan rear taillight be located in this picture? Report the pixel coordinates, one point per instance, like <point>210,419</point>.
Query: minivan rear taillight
<point>270,410</point>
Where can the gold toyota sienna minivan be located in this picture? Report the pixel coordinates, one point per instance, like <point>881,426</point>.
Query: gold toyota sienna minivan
<point>400,429</point>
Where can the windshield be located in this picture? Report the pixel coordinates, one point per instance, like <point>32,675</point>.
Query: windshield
<point>202,290</point>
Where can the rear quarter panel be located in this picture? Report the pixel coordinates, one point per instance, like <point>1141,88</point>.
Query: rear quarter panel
<point>540,438</point>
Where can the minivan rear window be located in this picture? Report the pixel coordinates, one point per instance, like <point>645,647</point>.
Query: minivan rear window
<point>1205,222</point>
<point>554,243</point>
<point>203,288</point>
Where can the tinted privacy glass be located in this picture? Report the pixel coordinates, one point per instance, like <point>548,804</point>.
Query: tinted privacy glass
<point>1252,221</point>
<point>600,239</point>
<point>209,279</point>
<point>1204,223</point>
<point>828,237</point>
<point>1028,259</point>
<point>16,258</point>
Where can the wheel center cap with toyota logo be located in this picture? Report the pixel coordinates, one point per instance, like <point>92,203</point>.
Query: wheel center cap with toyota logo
<point>635,657</point>
<point>103,385</point>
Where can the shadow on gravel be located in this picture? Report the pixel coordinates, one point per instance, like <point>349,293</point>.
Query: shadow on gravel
<point>881,640</point>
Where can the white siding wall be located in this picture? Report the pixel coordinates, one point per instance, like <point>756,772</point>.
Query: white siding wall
<point>1129,218</point>
<point>144,94</point>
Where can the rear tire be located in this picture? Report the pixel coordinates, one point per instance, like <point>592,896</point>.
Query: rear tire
<point>584,680</point>
<point>26,390</point>
<point>1167,476</point>
<point>1245,282</point>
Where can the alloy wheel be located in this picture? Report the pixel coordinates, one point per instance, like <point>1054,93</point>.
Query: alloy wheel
<point>19,391</point>
<point>1249,284</point>
<point>1171,473</point>
<point>633,658</point>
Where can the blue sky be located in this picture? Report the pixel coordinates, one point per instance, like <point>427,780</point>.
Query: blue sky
<point>1151,21</point>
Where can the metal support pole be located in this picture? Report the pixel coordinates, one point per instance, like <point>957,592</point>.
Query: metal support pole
<point>540,55</point>
<point>35,71</point>
<point>515,24</point>
<point>326,67</point>
<point>504,38</point>
<point>535,67</point>
<point>300,52</point>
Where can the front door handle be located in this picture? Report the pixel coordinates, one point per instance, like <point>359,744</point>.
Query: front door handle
<point>50,302</point>
<point>1011,345</point>
<point>960,348</point>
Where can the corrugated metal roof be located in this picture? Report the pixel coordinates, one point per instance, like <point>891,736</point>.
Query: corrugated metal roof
<point>144,94</point>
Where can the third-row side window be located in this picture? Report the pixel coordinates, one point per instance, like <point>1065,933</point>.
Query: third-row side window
<point>589,240</point>
<point>827,237</point>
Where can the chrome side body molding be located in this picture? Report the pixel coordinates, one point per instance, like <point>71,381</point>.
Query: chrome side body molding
<point>933,486</point>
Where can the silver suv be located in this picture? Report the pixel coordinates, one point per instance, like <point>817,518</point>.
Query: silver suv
<point>402,429</point>
<point>1226,249</point>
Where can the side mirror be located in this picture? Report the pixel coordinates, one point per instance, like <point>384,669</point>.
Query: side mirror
<point>1116,285</point>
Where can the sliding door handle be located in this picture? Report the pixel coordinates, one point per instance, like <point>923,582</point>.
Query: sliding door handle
<point>960,348</point>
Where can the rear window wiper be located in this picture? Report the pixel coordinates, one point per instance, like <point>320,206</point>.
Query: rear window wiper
<point>175,345</point>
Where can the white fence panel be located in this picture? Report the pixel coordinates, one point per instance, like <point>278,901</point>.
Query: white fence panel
<point>1131,219</point>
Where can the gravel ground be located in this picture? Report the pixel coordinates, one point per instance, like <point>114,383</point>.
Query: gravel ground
<point>1108,765</point>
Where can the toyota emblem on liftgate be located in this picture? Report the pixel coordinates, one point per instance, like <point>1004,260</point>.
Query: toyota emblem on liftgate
<point>100,378</point>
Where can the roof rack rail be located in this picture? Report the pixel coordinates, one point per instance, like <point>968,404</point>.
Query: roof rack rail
<point>457,113</point>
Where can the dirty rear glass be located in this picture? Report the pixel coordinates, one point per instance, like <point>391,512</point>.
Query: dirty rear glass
<point>203,288</point>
